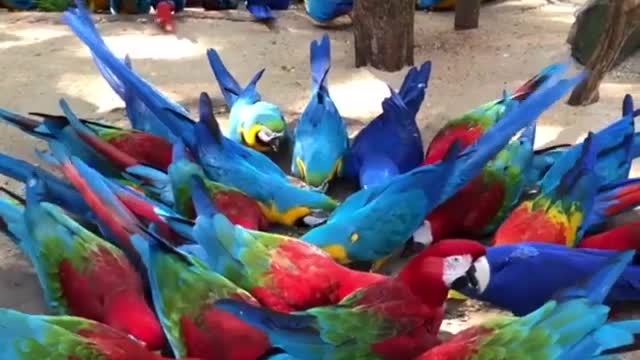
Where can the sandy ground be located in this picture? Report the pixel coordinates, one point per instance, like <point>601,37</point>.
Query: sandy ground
<point>42,61</point>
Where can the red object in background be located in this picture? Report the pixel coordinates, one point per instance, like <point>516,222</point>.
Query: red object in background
<point>164,16</point>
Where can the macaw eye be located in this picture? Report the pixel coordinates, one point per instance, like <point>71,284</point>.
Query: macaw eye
<point>354,237</point>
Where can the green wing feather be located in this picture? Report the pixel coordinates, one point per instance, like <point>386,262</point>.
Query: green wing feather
<point>183,289</point>
<point>55,237</point>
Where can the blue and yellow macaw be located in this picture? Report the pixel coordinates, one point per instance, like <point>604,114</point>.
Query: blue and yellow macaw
<point>255,123</point>
<point>261,9</point>
<point>391,143</point>
<point>327,10</point>
<point>320,137</point>
<point>374,222</point>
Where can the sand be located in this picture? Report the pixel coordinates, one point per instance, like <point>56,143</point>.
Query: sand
<point>42,61</point>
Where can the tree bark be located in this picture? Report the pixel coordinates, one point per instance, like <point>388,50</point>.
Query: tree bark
<point>383,33</point>
<point>467,14</point>
<point>605,54</point>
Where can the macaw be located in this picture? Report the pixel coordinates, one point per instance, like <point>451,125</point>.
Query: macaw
<point>470,126</point>
<point>320,137</point>
<point>281,201</point>
<point>480,206</point>
<point>369,225</point>
<point>621,237</point>
<point>80,273</point>
<point>238,207</point>
<point>26,336</point>
<point>184,292</point>
<point>282,273</point>
<point>391,143</point>
<point>179,314</point>
<point>573,325</point>
<point>255,123</point>
<point>261,9</point>
<point>566,208</point>
<point>619,146</point>
<point>326,10</point>
<point>556,267</point>
<point>253,172</point>
<point>397,318</point>
<point>164,16</point>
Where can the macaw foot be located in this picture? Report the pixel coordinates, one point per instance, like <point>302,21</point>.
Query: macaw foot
<point>378,264</point>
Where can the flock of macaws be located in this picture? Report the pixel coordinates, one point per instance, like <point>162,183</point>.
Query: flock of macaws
<point>321,11</point>
<point>153,243</point>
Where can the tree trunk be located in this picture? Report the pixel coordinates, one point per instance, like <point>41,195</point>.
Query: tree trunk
<point>383,33</point>
<point>467,14</point>
<point>605,54</point>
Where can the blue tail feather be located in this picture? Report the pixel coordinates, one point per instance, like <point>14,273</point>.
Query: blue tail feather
<point>260,10</point>
<point>266,319</point>
<point>320,60</point>
<point>597,286</point>
<point>229,86</point>
<point>201,199</point>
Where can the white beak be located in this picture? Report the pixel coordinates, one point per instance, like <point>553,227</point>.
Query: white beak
<point>483,273</point>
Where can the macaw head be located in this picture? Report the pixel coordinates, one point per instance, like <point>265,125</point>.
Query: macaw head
<point>263,126</point>
<point>317,163</point>
<point>301,207</point>
<point>164,16</point>
<point>336,237</point>
<point>447,264</point>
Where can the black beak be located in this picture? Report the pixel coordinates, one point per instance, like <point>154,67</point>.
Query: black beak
<point>275,144</point>
<point>467,280</point>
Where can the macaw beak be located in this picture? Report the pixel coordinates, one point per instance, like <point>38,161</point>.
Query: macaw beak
<point>476,277</point>
<point>315,218</point>
<point>269,137</point>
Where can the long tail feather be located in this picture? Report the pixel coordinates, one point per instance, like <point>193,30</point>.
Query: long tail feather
<point>320,60</point>
<point>229,87</point>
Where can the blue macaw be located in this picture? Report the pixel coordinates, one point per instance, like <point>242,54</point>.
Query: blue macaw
<point>620,145</point>
<point>391,143</point>
<point>371,223</point>
<point>512,287</point>
<point>261,9</point>
<point>574,325</point>
<point>320,137</point>
<point>327,10</point>
<point>254,122</point>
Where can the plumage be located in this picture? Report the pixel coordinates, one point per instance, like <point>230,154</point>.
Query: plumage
<point>470,126</point>
<point>238,207</point>
<point>480,206</point>
<point>25,337</point>
<point>619,147</point>
<point>320,137</point>
<point>556,267</point>
<point>253,122</point>
<point>225,161</point>
<point>261,9</point>
<point>397,318</point>
<point>572,198</point>
<point>184,292</point>
<point>80,273</point>
<point>391,143</point>
<point>327,10</point>
<point>370,225</point>
<point>281,272</point>
<point>573,325</point>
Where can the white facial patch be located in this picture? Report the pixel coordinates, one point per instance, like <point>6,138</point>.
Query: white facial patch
<point>423,234</point>
<point>455,267</point>
<point>266,135</point>
<point>483,273</point>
